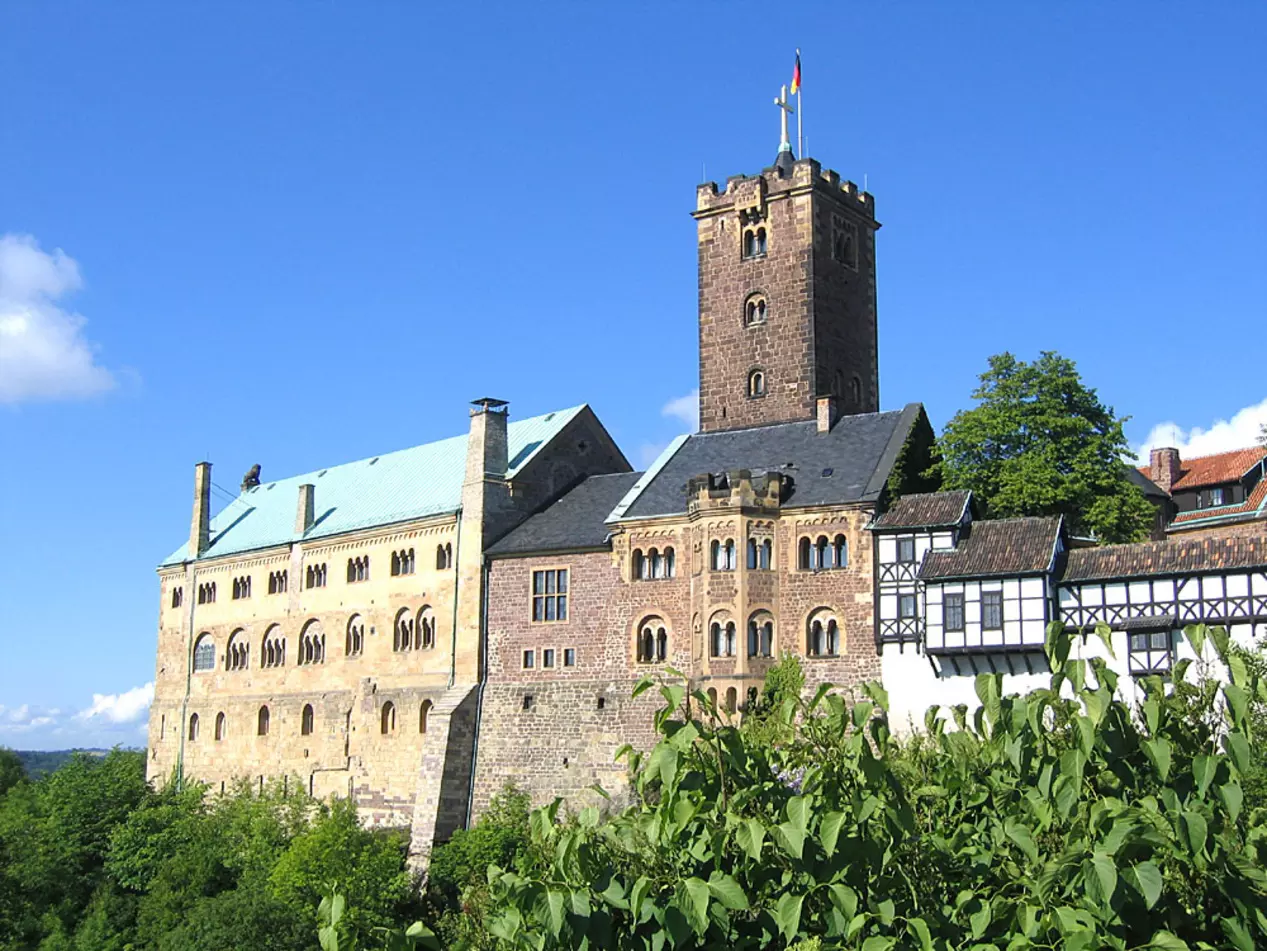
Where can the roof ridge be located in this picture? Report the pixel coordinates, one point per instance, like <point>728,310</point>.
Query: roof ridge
<point>792,422</point>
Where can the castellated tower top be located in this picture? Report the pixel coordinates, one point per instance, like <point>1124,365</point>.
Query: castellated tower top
<point>786,297</point>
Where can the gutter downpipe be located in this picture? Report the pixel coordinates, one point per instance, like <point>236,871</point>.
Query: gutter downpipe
<point>479,695</point>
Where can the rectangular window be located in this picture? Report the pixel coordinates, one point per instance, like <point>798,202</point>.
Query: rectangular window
<point>954,612</point>
<point>906,606</point>
<point>906,550</point>
<point>992,610</point>
<point>569,657</point>
<point>530,660</point>
<point>547,657</point>
<point>1149,653</point>
<point>550,595</point>
<point>1216,496</point>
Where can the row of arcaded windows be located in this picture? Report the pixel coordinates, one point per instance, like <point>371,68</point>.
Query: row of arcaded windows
<point>654,565</point>
<point>822,553</point>
<point>413,631</point>
<point>307,721</point>
<point>315,575</point>
<point>822,636</point>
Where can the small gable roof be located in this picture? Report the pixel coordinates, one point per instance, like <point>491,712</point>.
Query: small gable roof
<point>926,510</point>
<point>395,487</point>
<point>1176,556</point>
<point>1000,547</point>
<point>575,521</point>
<point>851,463</point>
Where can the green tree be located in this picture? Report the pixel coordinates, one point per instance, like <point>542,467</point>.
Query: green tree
<point>1040,442</point>
<point>11,771</point>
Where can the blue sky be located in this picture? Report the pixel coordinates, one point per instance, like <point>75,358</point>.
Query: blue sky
<point>299,234</point>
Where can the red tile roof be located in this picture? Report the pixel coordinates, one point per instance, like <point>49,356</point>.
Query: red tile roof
<point>1251,505</point>
<point>1215,469</point>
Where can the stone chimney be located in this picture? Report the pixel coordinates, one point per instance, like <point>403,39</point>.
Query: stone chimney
<point>487,452</point>
<point>828,413</point>
<point>307,505</point>
<point>200,528</point>
<point>1163,468</point>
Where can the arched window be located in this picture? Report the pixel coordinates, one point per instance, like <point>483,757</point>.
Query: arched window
<point>193,727</point>
<point>356,636</point>
<point>652,641</point>
<point>754,311</point>
<point>646,646</point>
<point>723,638</point>
<point>312,644</point>
<point>716,640</point>
<point>670,563</point>
<point>237,655</point>
<point>204,653</point>
<point>655,567</point>
<point>760,635</point>
<point>444,556</point>
<point>823,635</point>
<point>752,553</point>
<point>639,565</point>
<point>219,727</point>
<point>261,722</point>
<point>732,699</point>
<point>305,721</point>
<point>712,699</point>
<point>425,630</point>
<point>423,712</point>
<point>388,718</point>
<point>840,552</point>
<point>756,383</point>
<point>273,648</point>
<point>662,645</point>
<point>410,562</point>
<point>855,390</point>
<point>805,555</point>
<point>731,555</point>
<point>395,563</point>
<point>761,241</point>
<point>403,631</point>
<point>767,555</point>
<point>749,244</point>
<point>716,556</point>
<point>822,553</point>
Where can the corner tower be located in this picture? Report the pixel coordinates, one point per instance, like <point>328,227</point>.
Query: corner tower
<point>787,302</point>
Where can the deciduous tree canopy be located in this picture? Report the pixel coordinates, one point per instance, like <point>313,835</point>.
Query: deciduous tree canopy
<point>1040,442</point>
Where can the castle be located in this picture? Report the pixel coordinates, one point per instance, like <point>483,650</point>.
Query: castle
<point>417,629</point>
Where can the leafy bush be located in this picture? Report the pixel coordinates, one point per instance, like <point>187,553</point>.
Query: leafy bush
<point>1058,819</point>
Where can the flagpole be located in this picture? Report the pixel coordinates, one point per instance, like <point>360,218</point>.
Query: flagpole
<point>800,140</point>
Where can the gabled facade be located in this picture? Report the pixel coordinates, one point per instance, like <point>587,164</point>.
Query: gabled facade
<point>1223,494</point>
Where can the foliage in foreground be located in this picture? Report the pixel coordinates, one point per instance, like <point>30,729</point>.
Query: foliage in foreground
<point>1040,442</point>
<point>92,859</point>
<point>1059,819</point>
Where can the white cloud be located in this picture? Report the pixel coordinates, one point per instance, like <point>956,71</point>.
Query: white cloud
<point>1243,430</point>
<point>23,719</point>
<point>121,707</point>
<point>43,353</point>
<point>685,408</point>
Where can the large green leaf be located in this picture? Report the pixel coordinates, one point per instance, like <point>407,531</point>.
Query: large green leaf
<point>749,836</point>
<point>1196,829</point>
<point>1158,751</point>
<point>1233,798</point>
<point>787,914</point>
<point>1165,941</point>
<point>1147,880</point>
<point>844,898</point>
<point>727,891</point>
<point>1203,769</point>
<point>791,838</point>
<point>829,831</point>
<point>1237,745</point>
<point>696,905</point>
<point>1023,838</point>
<point>798,812</point>
<point>1100,875</point>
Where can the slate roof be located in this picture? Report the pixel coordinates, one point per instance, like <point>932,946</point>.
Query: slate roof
<point>575,521</point>
<point>848,464</point>
<point>1177,556</point>
<point>925,510</point>
<point>395,487</point>
<point>1010,546</point>
<point>1151,489</point>
<point>1219,468</point>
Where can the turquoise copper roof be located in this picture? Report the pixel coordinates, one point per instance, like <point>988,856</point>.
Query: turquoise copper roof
<point>394,487</point>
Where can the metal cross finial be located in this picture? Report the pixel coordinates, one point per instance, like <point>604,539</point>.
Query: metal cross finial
<point>785,144</point>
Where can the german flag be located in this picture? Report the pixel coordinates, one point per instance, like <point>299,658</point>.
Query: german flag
<point>796,74</point>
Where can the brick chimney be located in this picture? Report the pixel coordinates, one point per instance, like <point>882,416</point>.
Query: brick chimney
<point>306,508</point>
<point>487,453</point>
<point>200,528</point>
<point>828,413</point>
<point>1163,468</point>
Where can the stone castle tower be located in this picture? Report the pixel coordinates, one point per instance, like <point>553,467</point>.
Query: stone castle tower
<point>787,301</point>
